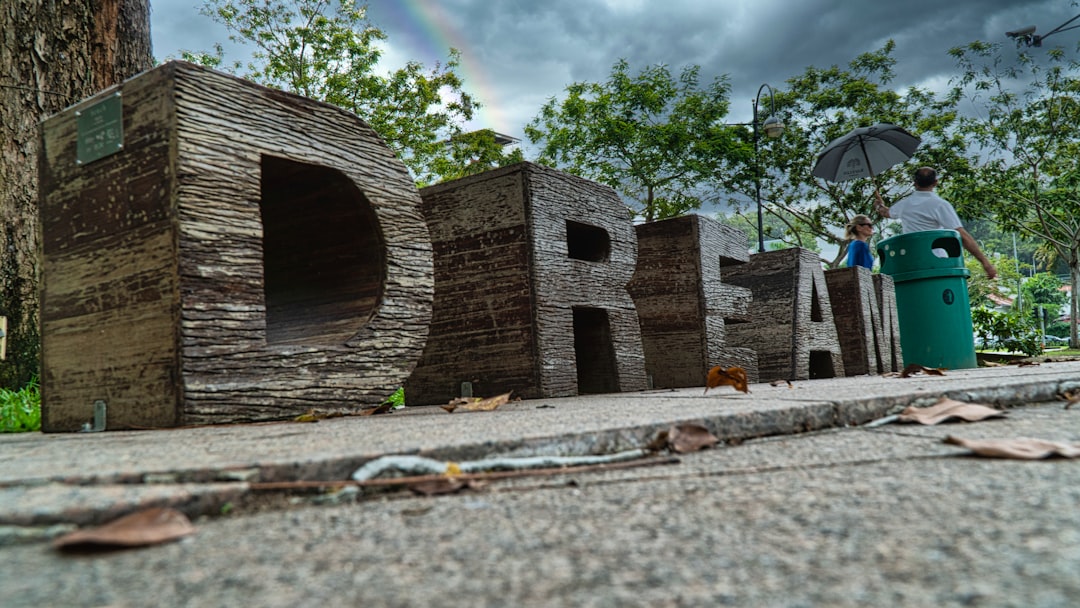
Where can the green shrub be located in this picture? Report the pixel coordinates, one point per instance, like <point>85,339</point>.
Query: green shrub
<point>20,411</point>
<point>1058,328</point>
<point>397,400</point>
<point>1006,331</point>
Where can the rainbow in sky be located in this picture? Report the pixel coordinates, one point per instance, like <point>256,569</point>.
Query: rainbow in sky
<point>425,28</point>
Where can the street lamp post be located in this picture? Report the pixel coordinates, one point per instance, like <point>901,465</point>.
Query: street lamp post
<point>773,128</point>
<point>1028,37</point>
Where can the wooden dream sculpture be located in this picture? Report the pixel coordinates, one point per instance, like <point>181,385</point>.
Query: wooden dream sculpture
<point>218,251</point>
<point>791,325</point>
<point>531,267</point>
<point>858,319</point>
<point>682,303</point>
<point>889,350</point>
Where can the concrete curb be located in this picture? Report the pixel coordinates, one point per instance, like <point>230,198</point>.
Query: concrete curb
<point>83,479</point>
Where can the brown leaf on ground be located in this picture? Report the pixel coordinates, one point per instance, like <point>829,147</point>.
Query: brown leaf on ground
<point>686,438</point>
<point>315,415</point>
<point>915,368</point>
<point>660,442</point>
<point>477,404</point>
<point>384,408</point>
<point>1071,398</point>
<point>733,376</point>
<point>308,416</point>
<point>142,528</point>
<point>683,439</point>
<point>948,409</point>
<point>436,487</point>
<point>457,402</point>
<point>781,383</point>
<point>1019,449</point>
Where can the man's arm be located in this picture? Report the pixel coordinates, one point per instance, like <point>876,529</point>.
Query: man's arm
<point>879,205</point>
<point>973,248</point>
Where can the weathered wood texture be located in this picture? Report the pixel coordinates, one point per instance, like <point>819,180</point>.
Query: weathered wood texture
<point>249,255</point>
<point>531,267</point>
<point>858,319</point>
<point>791,325</point>
<point>52,54</point>
<point>683,304</point>
<point>891,354</point>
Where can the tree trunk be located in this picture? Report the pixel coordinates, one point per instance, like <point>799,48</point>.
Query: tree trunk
<point>1074,299</point>
<point>53,53</point>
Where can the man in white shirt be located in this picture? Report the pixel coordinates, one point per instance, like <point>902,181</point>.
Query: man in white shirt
<point>925,210</point>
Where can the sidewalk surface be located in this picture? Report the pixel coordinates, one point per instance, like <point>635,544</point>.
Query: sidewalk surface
<point>50,481</point>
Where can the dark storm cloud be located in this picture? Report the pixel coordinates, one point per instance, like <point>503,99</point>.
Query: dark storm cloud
<point>531,50</point>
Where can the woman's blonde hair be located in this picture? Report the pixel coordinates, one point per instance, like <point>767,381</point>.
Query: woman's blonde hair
<point>849,230</point>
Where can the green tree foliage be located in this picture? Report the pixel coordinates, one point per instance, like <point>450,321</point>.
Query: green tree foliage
<point>20,410</point>
<point>1027,129</point>
<point>472,153</point>
<point>1006,285</point>
<point>1043,296</point>
<point>821,105</point>
<point>1006,331</point>
<point>329,50</point>
<point>653,138</point>
<point>993,238</point>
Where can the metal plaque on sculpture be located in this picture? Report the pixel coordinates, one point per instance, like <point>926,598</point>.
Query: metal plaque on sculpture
<point>100,129</point>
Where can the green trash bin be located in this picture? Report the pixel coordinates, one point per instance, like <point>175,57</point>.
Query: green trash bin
<point>932,306</point>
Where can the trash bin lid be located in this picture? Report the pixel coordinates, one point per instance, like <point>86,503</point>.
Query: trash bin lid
<point>925,250</point>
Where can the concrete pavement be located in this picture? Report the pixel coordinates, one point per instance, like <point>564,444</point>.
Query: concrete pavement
<point>50,483</point>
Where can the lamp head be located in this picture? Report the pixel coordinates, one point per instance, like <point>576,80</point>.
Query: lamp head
<point>1024,31</point>
<point>772,127</point>
<point>1026,36</point>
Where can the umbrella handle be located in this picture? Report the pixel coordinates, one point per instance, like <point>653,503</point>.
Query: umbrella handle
<point>870,168</point>
<point>879,206</point>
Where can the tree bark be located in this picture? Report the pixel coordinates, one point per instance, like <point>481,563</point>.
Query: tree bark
<point>53,53</point>
<point>1074,299</point>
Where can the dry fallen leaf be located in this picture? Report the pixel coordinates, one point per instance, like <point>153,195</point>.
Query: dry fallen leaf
<point>1071,398</point>
<point>683,438</point>
<point>383,408</point>
<point>147,527</point>
<point>732,376</point>
<point>457,402</point>
<point>1019,449</point>
<point>660,442</point>
<point>781,383</point>
<point>477,405</point>
<point>309,416</point>
<point>948,409</point>
<point>915,368</point>
<point>436,487</point>
<point>315,416</point>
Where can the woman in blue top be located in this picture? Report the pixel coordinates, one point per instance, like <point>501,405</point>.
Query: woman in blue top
<point>859,230</point>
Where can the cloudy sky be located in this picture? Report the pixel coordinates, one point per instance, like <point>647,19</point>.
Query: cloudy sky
<point>516,54</point>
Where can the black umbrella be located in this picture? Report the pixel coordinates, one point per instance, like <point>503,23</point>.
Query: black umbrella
<point>865,152</point>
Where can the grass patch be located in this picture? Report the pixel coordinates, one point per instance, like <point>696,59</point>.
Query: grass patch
<point>20,411</point>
